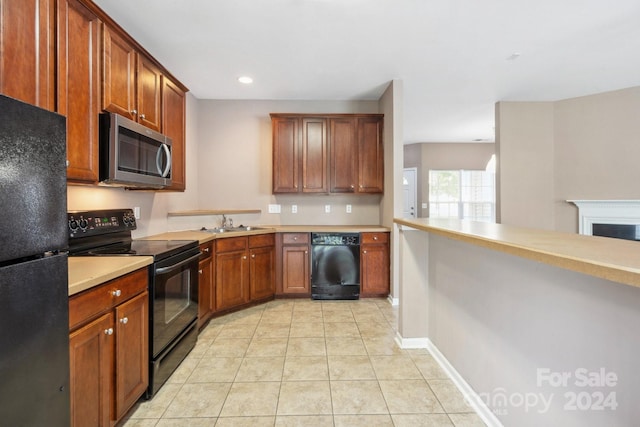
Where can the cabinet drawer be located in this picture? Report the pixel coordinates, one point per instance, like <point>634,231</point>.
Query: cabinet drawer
<point>231,244</point>
<point>261,240</point>
<point>90,303</point>
<point>295,238</point>
<point>374,238</point>
<point>207,250</point>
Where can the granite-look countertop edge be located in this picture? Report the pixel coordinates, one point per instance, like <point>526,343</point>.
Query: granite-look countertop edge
<point>616,260</point>
<point>87,272</point>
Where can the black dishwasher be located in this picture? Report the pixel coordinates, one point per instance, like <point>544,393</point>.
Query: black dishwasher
<point>335,266</point>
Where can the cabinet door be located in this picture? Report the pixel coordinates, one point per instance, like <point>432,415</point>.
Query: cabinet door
<point>295,269</point>
<point>91,366</point>
<point>79,87</point>
<point>286,160</point>
<point>262,272</point>
<point>314,155</point>
<point>205,291</point>
<point>149,82</point>
<point>132,352</point>
<point>27,58</point>
<point>173,125</point>
<point>374,274</point>
<point>343,165</point>
<point>232,279</point>
<point>371,158</point>
<point>118,79</point>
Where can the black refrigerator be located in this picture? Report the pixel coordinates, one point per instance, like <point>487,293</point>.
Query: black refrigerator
<point>34,309</point>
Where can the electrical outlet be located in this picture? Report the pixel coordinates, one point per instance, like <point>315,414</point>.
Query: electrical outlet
<point>327,208</point>
<point>136,212</point>
<point>348,208</point>
<point>294,208</point>
<point>274,208</point>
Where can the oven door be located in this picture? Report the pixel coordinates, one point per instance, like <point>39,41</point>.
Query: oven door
<point>174,297</point>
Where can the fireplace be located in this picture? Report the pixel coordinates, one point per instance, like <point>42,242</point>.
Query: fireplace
<point>609,218</point>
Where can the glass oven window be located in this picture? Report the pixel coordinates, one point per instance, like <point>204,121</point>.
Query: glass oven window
<point>177,296</point>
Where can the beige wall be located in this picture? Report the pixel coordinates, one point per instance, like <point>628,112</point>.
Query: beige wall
<point>579,148</point>
<point>234,165</point>
<point>443,156</point>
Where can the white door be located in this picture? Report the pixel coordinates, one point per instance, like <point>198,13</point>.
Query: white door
<point>409,192</point>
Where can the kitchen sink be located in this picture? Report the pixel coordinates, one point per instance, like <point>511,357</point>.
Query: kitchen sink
<point>230,229</point>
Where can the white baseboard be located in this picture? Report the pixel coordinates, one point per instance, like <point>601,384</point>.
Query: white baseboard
<point>472,397</point>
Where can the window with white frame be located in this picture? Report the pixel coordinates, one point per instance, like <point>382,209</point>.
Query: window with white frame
<point>464,194</point>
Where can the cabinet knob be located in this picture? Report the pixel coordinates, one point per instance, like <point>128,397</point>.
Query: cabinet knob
<point>108,331</point>
<point>67,163</point>
<point>364,252</point>
<point>205,250</point>
<point>142,116</point>
<point>134,112</point>
<point>253,255</point>
<point>375,237</point>
<point>244,257</point>
<point>353,186</point>
<point>124,320</point>
<point>361,186</point>
<point>306,252</point>
<point>116,293</point>
<point>199,271</point>
<point>295,238</point>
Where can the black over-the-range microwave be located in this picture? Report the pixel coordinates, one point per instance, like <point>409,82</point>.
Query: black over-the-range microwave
<point>132,155</point>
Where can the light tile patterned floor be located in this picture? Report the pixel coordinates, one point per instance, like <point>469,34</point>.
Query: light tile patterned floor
<point>306,363</point>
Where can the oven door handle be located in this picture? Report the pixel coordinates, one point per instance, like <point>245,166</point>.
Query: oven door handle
<point>163,270</point>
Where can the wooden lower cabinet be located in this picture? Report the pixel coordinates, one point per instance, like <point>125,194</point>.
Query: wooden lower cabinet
<point>374,264</point>
<point>293,263</point>
<point>109,349</point>
<point>262,266</point>
<point>206,285</point>
<point>244,270</point>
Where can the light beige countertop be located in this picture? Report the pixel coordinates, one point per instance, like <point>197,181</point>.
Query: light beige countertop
<point>203,236</point>
<point>88,271</point>
<point>611,259</point>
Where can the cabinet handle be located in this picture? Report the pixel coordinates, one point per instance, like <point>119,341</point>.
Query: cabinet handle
<point>108,331</point>
<point>124,320</point>
<point>134,112</point>
<point>199,271</point>
<point>375,237</point>
<point>142,116</point>
<point>116,293</point>
<point>205,250</point>
<point>364,252</point>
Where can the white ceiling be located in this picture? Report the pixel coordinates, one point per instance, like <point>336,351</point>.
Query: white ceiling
<point>451,55</point>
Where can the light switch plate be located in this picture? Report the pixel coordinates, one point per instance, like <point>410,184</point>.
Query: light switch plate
<point>348,208</point>
<point>136,212</point>
<point>294,208</point>
<point>274,208</point>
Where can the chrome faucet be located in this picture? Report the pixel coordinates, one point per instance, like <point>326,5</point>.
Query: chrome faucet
<point>224,222</point>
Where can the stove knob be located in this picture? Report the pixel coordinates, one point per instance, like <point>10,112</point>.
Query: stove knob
<point>73,224</point>
<point>83,224</point>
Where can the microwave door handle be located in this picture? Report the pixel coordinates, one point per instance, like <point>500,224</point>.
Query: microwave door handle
<point>167,152</point>
<point>163,270</point>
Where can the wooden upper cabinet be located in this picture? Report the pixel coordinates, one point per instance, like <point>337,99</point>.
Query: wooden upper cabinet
<point>118,76</point>
<point>149,80</point>
<point>370,155</point>
<point>344,155</point>
<point>173,125</point>
<point>314,155</point>
<point>78,80</point>
<point>336,153</point>
<point>27,53</point>
<point>286,160</point>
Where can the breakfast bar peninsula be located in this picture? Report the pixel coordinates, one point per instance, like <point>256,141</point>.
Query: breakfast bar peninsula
<point>535,327</point>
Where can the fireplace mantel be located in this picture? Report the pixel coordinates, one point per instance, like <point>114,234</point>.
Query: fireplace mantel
<point>606,212</point>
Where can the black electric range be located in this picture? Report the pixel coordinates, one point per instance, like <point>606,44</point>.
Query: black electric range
<point>173,282</point>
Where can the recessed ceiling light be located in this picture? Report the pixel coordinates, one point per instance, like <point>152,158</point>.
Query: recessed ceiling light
<point>245,80</point>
